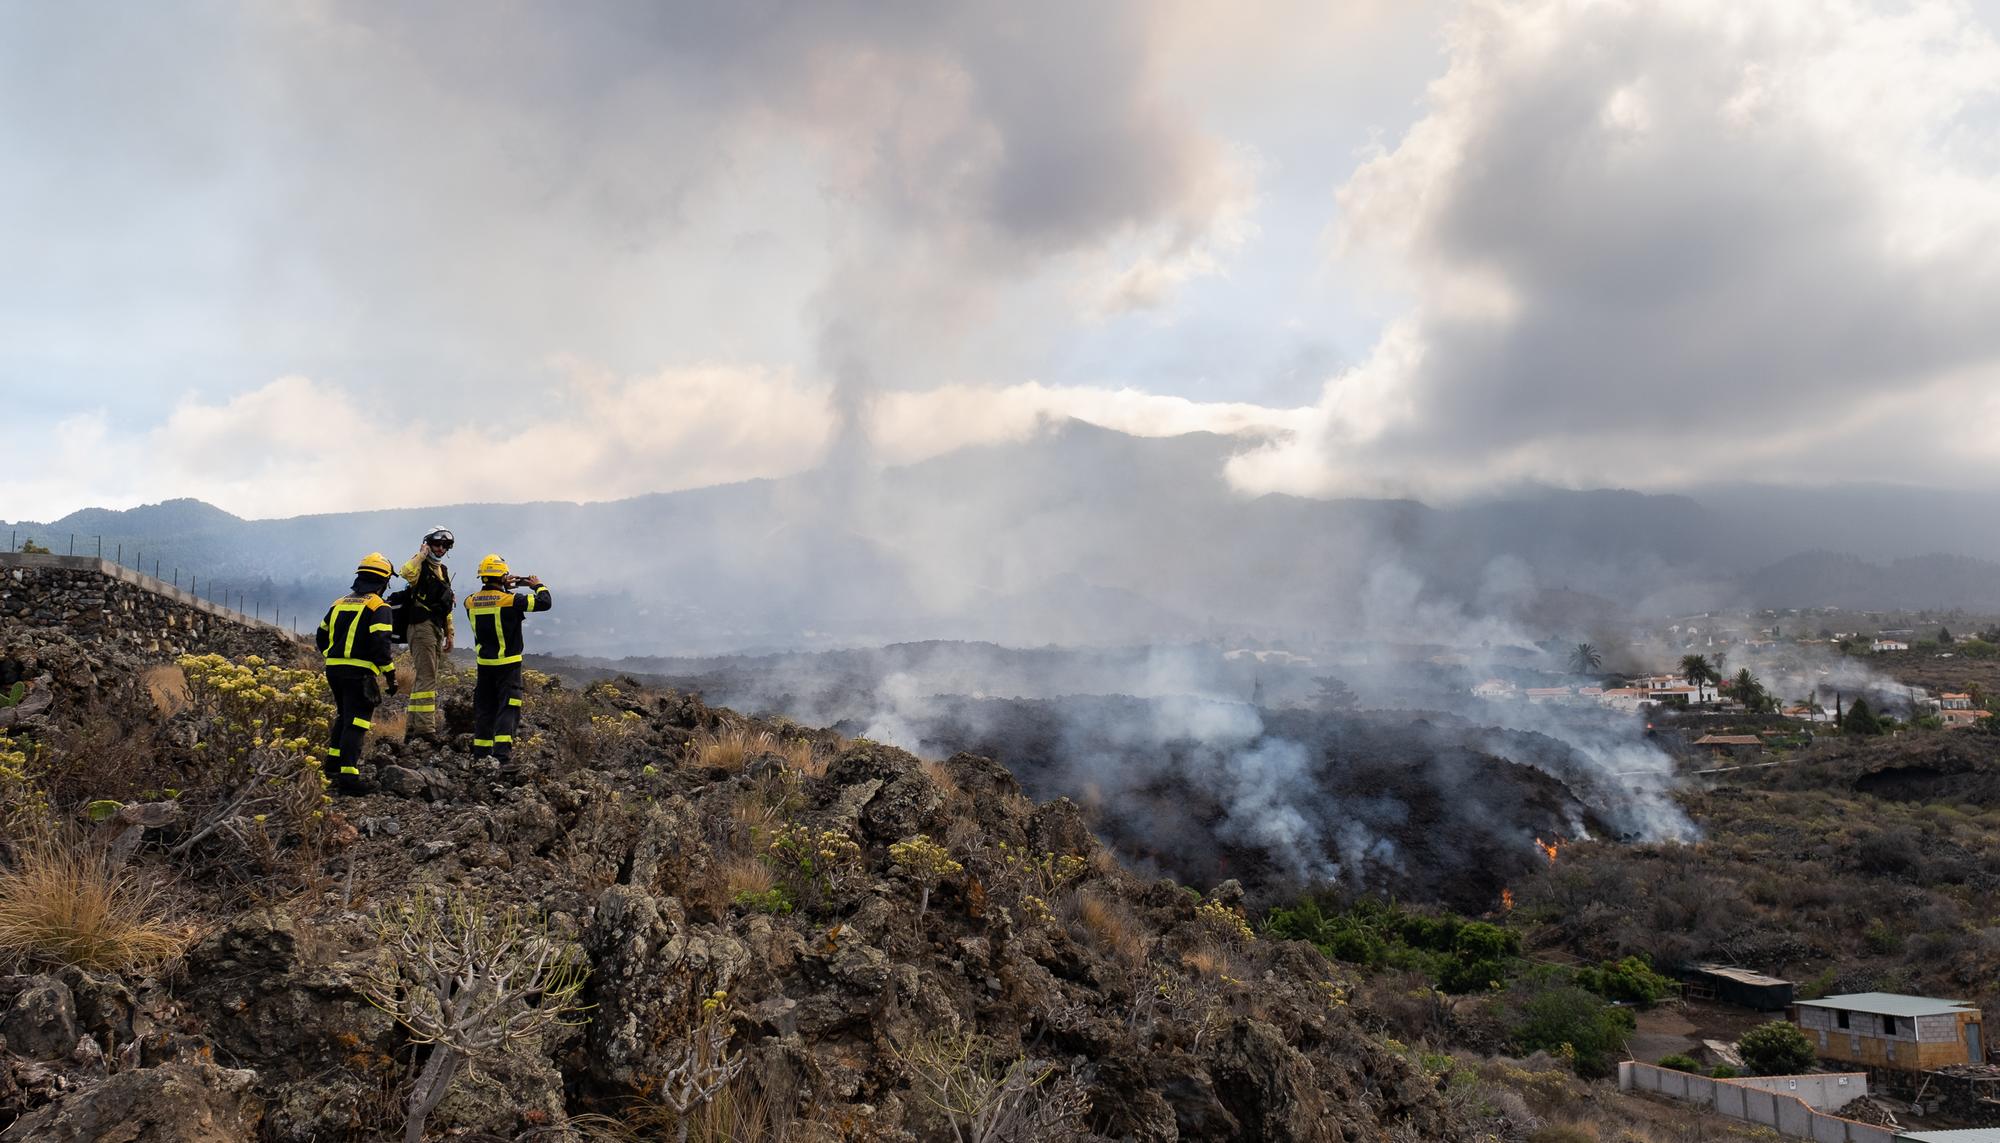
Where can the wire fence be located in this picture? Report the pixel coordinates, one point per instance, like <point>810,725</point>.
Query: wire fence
<point>246,602</point>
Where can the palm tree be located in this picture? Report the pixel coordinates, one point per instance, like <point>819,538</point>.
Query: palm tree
<point>1584,660</point>
<point>1698,672</point>
<point>1748,691</point>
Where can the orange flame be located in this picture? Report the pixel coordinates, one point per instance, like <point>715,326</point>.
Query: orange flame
<point>1506,900</point>
<point>1549,849</point>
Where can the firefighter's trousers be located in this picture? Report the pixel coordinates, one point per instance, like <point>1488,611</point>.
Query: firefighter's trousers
<point>427,660</point>
<point>496,711</point>
<point>356,692</point>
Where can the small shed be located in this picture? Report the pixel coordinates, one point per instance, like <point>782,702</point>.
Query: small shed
<point>1731,745</point>
<point>1887,1030</point>
<point>1740,986</point>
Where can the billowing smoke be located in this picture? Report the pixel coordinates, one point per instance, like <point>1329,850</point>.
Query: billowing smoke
<point>1207,760</point>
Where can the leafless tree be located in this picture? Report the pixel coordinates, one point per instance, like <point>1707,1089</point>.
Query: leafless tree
<point>469,980</point>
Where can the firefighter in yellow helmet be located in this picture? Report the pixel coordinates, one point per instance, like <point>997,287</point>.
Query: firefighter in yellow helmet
<point>496,610</point>
<point>354,640</point>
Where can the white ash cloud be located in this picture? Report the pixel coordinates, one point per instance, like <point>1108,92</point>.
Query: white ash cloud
<point>1651,243</point>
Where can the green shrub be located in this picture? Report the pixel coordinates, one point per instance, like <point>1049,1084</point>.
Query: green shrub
<point>775,900</point>
<point>24,803</point>
<point>1722,1071</point>
<point>1631,980</point>
<point>1568,1021</point>
<point>1776,1049</point>
<point>1456,954</point>
<point>1881,939</point>
<point>1681,1063</point>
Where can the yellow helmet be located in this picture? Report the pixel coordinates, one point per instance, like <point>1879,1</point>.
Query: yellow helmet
<point>374,563</point>
<point>492,567</point>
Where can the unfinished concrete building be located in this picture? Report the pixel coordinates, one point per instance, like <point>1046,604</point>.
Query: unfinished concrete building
<point>1885,1030</point>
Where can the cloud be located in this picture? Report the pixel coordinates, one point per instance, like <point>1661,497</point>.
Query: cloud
<point>1656,243</point>
<point>424,195</point>
<point>296,445</point>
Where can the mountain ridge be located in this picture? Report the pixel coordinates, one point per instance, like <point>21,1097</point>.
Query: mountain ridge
<point>1079,535</point>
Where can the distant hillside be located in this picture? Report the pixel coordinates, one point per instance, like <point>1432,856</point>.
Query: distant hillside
<point>1833,579</point>
<point>1078,536</point>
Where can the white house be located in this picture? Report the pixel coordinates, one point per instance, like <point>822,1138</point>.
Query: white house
<point>1881,644</point>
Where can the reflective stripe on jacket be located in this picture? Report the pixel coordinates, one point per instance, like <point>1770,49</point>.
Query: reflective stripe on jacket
<point>355,633</point>
<point>496,622</point>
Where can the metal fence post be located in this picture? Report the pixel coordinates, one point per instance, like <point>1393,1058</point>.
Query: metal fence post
<point>100,547</point>
<point>72,543</point>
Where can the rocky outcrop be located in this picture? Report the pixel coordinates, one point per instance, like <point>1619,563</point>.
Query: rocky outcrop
<point>284,997</point>
<point>40,1021</point>
<point>173,1103</point>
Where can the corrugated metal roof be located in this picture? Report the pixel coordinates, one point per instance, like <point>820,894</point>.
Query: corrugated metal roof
<point>1740,975</point>
<point>1969,1135</point>
<point>1890,1004</point>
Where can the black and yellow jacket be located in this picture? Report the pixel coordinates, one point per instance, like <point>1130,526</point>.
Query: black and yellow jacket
<point>430,590</point>
<point>496,622</point>
<point>355,633</point>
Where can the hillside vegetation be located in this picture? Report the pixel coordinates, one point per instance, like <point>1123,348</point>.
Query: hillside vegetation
<point>685,924</point>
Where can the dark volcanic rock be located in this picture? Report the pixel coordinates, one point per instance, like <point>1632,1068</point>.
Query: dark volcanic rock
<point>40,1022</point>
<point>284,996</point>
<point>173,1103</point>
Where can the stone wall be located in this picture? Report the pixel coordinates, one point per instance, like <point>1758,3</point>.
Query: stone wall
<point>97,601</point>
<point>1793,1106</point>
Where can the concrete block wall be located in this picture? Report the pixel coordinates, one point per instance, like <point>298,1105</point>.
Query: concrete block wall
<point>97,601</point>
<point>1794,1106</point>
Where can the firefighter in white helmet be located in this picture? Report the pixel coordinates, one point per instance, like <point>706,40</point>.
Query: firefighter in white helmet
<point>429,606</point>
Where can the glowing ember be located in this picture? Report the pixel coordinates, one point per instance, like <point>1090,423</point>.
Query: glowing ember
<point>1549,849</point>
<point>1506,900</point>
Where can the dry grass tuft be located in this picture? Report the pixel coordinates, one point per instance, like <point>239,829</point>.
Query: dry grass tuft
<point>62,903</point>
<point>1110,927</point>
<point>751,875</point>
<point>799,754</point>
<point>940,776</point>
<point>1210,961</point>
<point>167,687</point>
<point>1104,862</point>
<point>752,814</point>
<point>738,1113</point>
<point>731,747</point>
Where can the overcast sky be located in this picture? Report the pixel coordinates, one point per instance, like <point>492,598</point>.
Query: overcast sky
<point>317,256</point>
